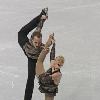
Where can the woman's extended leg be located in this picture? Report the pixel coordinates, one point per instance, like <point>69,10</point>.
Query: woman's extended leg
<point>39,68</point>
<point>39,65</point>
<point>41,58</point>
<point>48,97</point>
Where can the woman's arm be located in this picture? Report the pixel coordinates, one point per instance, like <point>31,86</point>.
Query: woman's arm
<point>56,77</point>
<point>52,53</point>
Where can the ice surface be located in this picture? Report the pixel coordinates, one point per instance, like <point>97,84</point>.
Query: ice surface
<point>76,27</point>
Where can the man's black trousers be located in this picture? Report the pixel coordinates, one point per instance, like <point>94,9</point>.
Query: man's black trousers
<point>30,80</point>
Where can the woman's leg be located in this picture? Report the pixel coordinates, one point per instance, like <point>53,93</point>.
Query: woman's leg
<point>39,65</point>
<point>48,97</point>
<point>39,69</point>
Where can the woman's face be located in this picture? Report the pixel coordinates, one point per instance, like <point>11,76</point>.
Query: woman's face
<point>56,63</point>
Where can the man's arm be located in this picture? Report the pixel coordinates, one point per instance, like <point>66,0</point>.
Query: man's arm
<point>22,34</point>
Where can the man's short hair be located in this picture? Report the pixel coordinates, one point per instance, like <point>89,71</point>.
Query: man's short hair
<point>38,34</point>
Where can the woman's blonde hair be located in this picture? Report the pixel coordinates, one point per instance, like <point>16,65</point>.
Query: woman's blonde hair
<point>61,59</point>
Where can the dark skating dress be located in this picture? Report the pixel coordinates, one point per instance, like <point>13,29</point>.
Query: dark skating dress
<point>46,84</point>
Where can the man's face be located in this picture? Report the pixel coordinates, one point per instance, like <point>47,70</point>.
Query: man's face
<point>37,41</point>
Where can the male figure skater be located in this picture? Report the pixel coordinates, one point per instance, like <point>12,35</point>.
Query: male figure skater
<point>32,48</point>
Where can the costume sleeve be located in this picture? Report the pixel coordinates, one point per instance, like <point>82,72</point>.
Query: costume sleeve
<point>52,53</point>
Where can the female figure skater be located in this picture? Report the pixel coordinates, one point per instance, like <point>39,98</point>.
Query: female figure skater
<point>49,80</point>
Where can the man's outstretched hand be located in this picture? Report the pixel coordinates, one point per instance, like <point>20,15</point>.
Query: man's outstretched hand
<point>43,17</point>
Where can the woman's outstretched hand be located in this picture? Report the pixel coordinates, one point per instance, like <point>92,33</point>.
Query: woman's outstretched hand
<point>50,40</point>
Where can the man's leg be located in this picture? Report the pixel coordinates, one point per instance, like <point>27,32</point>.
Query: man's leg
<point>30,80</point>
